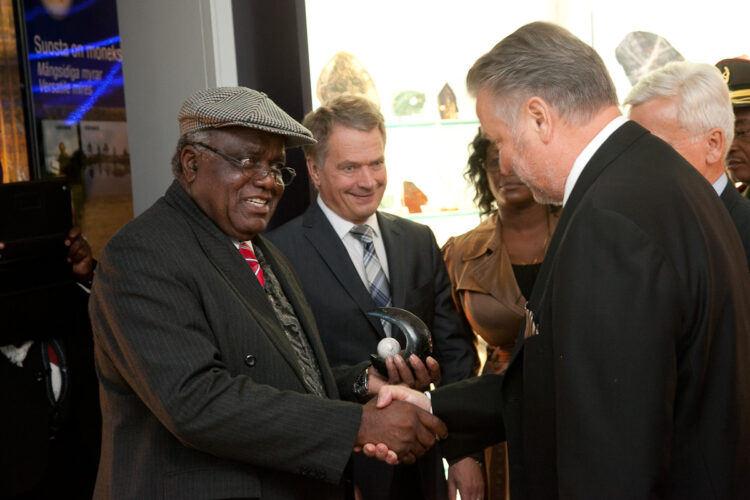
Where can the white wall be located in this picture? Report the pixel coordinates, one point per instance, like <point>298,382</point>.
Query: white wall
<point>170,49</point>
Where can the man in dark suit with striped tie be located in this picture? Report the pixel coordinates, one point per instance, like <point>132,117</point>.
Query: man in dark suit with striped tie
<point>214,382</point>
<point>352,258</point>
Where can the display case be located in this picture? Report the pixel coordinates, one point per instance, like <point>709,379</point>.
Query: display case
<point>412,58</point>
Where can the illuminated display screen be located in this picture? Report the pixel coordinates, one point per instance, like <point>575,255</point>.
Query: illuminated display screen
<point>78,102</point>
<point>74,58</point>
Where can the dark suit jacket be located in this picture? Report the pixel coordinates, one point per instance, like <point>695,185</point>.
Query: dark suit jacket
<point>340,302</point>
<point>202,394</point>
<point>637,383</point>
<point>739,210</point>
<point>30,462</point>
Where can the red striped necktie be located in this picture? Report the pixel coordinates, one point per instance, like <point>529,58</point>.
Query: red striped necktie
<point>252,260</point>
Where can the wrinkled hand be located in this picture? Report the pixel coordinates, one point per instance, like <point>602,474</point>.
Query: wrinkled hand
<point>79,254</point>
<point>404,431</point>
<point>465,476</point>
<point>420,378</point>
<point>388,395</point>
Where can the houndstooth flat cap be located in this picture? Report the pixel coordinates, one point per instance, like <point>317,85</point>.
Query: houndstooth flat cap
<point>240,107</point>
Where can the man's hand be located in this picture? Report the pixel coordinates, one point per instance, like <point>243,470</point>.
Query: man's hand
<point>399,372</point>
<point>79,254</point>
<point>404,431</point>
<point>465,476</point>
<point>388,395</point>
<point>391,393</point>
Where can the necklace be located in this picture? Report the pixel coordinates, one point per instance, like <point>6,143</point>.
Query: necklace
<point>538,255</point>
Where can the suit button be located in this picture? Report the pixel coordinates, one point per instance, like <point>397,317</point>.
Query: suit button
<point>250,360</point>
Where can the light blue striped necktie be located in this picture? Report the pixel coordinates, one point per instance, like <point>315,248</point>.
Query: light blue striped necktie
<point>379,286</point>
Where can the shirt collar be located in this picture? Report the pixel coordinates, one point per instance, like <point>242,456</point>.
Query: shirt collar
<point>720,184</point>
<point>248,243</point>
<point>588,153</point>
<point>341,225</point>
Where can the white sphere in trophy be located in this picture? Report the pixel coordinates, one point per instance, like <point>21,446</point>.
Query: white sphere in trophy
<point>388,347</point>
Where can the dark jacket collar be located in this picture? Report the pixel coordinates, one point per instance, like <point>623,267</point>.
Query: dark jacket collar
<point>223,255</point>
<point>323,238</point>
<point>610,150</point>
<point>730,196</point>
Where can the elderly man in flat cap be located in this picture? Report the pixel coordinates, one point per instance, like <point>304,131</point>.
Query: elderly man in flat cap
<point>736,73</point>
<point>214,382</point>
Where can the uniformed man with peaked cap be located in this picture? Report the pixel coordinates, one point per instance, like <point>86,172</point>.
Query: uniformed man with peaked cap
<point>736,73</point>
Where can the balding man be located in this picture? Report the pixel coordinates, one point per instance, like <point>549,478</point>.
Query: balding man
<point>687,105</point>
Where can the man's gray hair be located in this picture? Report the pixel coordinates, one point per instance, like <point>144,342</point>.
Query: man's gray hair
<point>186,139</point>
<point>700,94</point>
<point>545,60</point>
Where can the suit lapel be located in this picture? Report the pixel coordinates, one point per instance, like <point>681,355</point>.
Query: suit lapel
<point>222,254</point>
<point>612,148</point>
<point>323,238</point>
<point>609,151</point>
<point>295,296</point>
<point>730,196</point>
<point>397,258</point>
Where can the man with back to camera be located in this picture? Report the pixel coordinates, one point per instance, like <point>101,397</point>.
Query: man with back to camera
<point>50,426</point>
<point>214,383</point>
<point>630,376</point>
<point>687,106</point>
<point>736,73</point>
<point>328,249</point>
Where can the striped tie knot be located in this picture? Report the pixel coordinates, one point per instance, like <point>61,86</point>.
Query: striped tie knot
<point>247,252</point>
<point>379,287</point>
<point>362,233</point>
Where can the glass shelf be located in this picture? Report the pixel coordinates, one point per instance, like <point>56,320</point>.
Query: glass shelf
<point>441,123</point>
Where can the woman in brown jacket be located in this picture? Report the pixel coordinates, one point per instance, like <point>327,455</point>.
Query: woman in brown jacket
<point>492,269</point>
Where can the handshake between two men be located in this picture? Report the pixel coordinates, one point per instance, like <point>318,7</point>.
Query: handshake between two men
<point>397,426</point>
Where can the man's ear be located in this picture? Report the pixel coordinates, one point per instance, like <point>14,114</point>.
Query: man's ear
<point>189,163</point>
<point>313,170</point>
<point>715,144</point>
<point>538,116</point>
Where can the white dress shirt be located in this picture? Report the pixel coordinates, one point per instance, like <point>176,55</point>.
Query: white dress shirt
<point>588,152</point>
<point>353,245</point>
<point>720,184</point>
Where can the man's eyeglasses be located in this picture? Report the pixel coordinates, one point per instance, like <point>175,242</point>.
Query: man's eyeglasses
<point>282,176</point>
